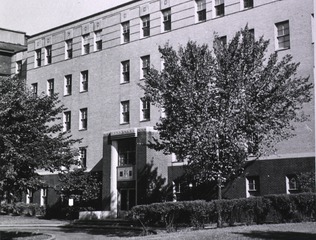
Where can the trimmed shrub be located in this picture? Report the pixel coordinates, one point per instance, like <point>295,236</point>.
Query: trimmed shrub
<point>256,210</point>
<point>292,208</point>
<point>21,208</point>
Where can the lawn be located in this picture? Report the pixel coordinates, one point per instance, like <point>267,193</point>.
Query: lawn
<point>289,231</point>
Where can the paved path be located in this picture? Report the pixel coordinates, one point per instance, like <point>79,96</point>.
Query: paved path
<point>61,230</point>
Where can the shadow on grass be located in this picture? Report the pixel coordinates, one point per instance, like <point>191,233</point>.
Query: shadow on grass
<point>278,235</point>
<point>109,232</point>
<point>8,235</point>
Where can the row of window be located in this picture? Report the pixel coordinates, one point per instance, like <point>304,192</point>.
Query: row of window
<point>253,185</point>
<point>144,69</point>
<point>124,115</point>
<point>219,9</point>
<point>84,78</point>
<point>67,85</point>
<point>282,39</point>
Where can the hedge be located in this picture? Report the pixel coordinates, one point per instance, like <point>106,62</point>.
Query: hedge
<point>256,210</point>
<point>21,208</point>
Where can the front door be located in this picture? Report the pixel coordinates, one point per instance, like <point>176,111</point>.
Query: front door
<point>127,199</point>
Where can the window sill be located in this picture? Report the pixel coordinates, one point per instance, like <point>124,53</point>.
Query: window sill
<point>124,123</point>
<point>145,120</point>
<point>282,49</point>
<point>200,21</point>
<point>83,91</point>
<point>83,129</point>
<point>67,95</point>
<point>123,83</point>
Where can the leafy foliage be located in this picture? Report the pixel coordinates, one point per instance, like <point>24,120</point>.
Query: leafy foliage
<point>30,138</point>
<point>80,185</point>
<point>271,209</point>
<point>224,105</point>
<point>306,181</point>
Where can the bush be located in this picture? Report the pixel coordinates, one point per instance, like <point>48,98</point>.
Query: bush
<point>21,208</point>
<point>292,208</point>
<point>272,208</point>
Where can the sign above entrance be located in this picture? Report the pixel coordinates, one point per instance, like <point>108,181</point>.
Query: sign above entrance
<point>124,133</point>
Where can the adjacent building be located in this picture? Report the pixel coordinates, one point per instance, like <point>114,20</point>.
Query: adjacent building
<point>12,53</point>
<point>97,63</point>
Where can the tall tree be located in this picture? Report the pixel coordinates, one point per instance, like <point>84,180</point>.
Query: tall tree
<point>31,137</point>
<point>224,105</point>
<point>83,187</point>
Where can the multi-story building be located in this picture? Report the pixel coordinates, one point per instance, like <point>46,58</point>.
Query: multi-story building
<point>96,64</point>
<point>12,53</point>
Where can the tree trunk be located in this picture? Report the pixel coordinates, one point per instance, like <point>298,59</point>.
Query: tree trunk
<point>219,206</point>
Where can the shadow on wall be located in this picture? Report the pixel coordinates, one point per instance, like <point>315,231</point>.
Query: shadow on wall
<point>151,187</point>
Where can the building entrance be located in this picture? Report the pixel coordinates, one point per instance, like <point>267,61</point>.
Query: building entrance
<point>128,199</point>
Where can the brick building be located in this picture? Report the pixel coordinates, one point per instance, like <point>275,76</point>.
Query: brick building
<point>97,62</point>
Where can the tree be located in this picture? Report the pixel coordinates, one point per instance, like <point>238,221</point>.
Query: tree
<point>83,187</point>
<point>224,105</point>
<point>30,137</point>
<point>306,181</point>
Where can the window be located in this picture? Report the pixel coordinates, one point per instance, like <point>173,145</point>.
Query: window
<point>83,119</point>
<point>18,67</point>
<point>248,3</point>
<point>252,33</point>
<point>201,10</point>
<point>125,112</point>
<point>34,89</point>
<point>50,87</point>
<point>219,8</point>
<point>125,72</point>
<point>127,151</point>
<point>43,200</point>
<point>291,184</point>
<point>252,186</point>
<point>145,66</point>
<point>125,32</point>
<point>84,81</point>
<point>166,14</point>
<point>223,40</point>
<point>38,58</point>
<point>67,121</point>
<point>313,27</point>
<point>68,83</point>
<point>83,156</point>
<point>85,44</point>
<point>68,47</point>
<point>29,196</point>
<point>98,40</point>
<point>283,35</point>
<point>145,110</point>
<point>48,55</point>
<point>146,26</point>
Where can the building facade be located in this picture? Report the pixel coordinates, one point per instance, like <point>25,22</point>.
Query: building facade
<point>97,63</point>
<point>12,53</point>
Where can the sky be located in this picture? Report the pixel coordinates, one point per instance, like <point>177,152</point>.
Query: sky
<point>34,16</point>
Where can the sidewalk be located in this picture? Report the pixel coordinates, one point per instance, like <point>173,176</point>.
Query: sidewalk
<point>22,221</point>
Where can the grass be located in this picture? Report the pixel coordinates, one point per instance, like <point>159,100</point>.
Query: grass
<point>289,231</point>
<point>16,235</point>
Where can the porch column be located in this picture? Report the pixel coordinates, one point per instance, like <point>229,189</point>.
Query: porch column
<point>113,178</point>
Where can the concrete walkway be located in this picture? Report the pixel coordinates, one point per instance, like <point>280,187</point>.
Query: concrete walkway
<point>64,230</point>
